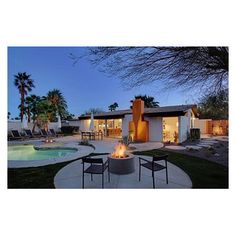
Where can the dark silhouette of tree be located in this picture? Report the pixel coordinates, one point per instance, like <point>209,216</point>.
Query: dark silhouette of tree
<point>8,115</point>
<point>58,102</point>
<point>45,113</point>
<point>113,106</point>
<point>149,102</point>
<point>185,67</point>
<point>70,116</point>
<point>93,110</point>
<point>24,84</point>
<point>214,106</point>
<point>30,107</point>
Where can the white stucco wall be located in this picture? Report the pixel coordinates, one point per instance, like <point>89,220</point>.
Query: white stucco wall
<point>74,123</point>
<point>16,124</point>
<point>155,128</point>
<point>184,127</point>
<point>125,125</point>
<point>84,125</point>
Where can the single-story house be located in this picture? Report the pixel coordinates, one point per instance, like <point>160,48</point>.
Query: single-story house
<point>162,124</point>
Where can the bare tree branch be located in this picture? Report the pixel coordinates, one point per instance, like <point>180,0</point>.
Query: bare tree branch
<point>185,67</point>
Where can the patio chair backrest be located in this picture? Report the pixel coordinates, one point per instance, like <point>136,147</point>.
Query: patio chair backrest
<point>15,133</point>
<point>159,158</point>
<point>52,131</point>
<point>44,132</point>
<point>92,160</point>
<point>28,132</point>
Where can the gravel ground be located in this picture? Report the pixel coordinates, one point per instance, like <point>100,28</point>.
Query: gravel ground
<point>217,153</point>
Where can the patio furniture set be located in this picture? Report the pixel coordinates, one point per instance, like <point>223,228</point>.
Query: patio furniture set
<point>28,134</point>
<point>97,166</point>
<point>90,135</point>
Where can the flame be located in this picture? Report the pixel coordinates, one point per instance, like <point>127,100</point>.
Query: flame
<point>119,151</point>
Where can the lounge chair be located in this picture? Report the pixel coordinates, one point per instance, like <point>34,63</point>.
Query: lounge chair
<point>16,135</point>
<point>44,133</point>
<point>29,134</point>
<point>53,133</point>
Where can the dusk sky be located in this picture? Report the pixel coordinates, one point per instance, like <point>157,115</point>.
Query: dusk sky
<point>82,85</point>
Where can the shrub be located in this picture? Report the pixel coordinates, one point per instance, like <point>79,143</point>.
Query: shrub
<point>86,143</point>
<point>67,129</point>
<point>195,134</point>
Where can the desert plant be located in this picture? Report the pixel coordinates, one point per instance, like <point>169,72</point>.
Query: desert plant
<point>125,140</point>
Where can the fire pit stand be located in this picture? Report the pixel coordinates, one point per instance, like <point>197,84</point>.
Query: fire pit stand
<point>121,166</point>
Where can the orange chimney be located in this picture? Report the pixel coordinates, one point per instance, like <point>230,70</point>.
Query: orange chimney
<point>139,127</point>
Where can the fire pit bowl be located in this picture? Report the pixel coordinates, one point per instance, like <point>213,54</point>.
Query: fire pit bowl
<point>121,166</point>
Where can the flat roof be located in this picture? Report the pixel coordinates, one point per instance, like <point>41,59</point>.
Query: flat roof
<point>157,111</point>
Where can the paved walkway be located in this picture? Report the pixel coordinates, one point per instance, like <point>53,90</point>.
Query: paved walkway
<point>205,142</point>
<point>71,177</point>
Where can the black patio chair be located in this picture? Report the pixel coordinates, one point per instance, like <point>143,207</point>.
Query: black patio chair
<point>97,167</point>
<point>153,166</point>
<point>16,135</point>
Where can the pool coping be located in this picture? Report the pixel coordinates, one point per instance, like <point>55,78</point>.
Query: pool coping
<point>82,151</point>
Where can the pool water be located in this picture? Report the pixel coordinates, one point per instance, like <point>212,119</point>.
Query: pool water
<point>27,152</point>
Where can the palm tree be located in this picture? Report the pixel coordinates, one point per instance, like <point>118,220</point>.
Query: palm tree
<point>24,84</point>
<point>113,106</point>
<point>58,101</point>
<point>149,102</point>
<point>44,113</point>
<point>31,106</point>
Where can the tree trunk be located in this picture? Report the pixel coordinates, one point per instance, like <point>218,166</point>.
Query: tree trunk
<point>22,105</point>
<point>28,115</point>
<point>35,122</point>
<point>46,126</point>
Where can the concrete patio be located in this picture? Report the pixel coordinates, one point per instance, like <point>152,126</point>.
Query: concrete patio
<point>71,177</point>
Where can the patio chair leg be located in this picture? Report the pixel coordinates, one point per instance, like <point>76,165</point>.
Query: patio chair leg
<point>102,180</point>
<point>139,171</point>
<point>91,177</point>
<point>83,180</point>
<point>153,179</point>
<point>109,179</point>
<point>166,176</point>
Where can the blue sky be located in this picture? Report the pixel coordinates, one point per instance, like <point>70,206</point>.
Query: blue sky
<point>82,85</point>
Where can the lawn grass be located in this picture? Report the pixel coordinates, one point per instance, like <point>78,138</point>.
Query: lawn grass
<point>203,173</point>
<point>36,177</point>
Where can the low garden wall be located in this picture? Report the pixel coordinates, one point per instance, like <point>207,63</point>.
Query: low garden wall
<point>16,125</point>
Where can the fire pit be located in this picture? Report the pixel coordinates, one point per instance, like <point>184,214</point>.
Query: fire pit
<point>49,140</point>
<point>120,162</point>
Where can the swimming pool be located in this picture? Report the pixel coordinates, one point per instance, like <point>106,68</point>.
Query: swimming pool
<point>28,152</point>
